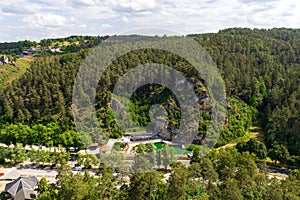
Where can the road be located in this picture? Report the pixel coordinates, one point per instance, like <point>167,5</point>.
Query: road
<point>47,173</point>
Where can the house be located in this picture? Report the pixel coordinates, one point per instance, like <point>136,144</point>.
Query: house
<point>104,149</point>
<point>93,146</point>
<point>55,50</point>
<point>25,53</point>
<point>4,60</point>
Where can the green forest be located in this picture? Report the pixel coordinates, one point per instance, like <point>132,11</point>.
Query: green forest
<point>259,67</point>
<point>261,72</point>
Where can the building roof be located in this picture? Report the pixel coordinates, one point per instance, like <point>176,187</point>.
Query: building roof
<point>25,194</point>
<point>94,145</point>
<point>21,183</point>
<point>3,145</point>
<point>104,148</point>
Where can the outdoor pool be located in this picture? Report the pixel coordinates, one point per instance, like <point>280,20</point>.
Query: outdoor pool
<point>177,148</point>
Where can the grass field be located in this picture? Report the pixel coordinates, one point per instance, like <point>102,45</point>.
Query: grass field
<point>10,72</point>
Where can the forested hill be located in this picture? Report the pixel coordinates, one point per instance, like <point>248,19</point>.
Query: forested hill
<point>260,69</point>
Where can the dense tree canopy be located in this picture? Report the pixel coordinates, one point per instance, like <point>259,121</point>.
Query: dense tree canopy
<point>226,174</point>
<point>260,69</point>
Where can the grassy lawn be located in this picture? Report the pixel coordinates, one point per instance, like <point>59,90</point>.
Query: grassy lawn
<point>10,72</point>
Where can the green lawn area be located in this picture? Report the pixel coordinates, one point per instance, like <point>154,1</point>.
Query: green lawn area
<point>10,72</point>
<point>177,149</point>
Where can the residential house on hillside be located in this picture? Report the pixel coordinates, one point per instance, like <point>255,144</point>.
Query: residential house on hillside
<point>104,149</point>
<point>25,53</point>
<point>4,60</point>
<point>55,50</point>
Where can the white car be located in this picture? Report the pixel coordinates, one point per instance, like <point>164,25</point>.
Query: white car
<point>36,166</point>
<point>77,168</point>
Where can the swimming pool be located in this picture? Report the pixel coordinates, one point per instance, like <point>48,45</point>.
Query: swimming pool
<point>177,148</point>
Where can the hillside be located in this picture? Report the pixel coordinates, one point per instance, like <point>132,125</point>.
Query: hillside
<point>10,72</point>
<point>260,69</point>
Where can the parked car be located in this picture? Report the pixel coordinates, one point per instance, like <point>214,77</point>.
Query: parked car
<point>77,168</point>
<point>190,154</point>
<point>35,166</point>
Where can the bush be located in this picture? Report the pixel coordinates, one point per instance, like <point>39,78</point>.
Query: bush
<point>253,146</point>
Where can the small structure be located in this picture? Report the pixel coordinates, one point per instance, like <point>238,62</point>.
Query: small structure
<point>104,149</point>
<point>25,53</point>
<point>22,188</point>
<point>3,145</point>
<point>54,50</point>
<point>25,194</point>
<point>72,149</point>
<point>93,146</point>
<point>4,60</point>
<point>125,139</point>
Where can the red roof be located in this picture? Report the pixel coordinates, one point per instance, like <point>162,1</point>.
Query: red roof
<point>94,145</point>
<point>104,148</point>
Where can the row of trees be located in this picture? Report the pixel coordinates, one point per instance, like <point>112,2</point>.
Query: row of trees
<point>18,154</point>
<point>14,48</point>
<point>224,174</point>
<point>73,44</point>
<point>49,135</point>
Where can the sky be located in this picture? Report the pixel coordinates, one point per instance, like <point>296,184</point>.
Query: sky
<point>39,19</point>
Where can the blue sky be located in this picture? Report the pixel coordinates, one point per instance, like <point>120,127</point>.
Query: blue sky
<point>38,19</point>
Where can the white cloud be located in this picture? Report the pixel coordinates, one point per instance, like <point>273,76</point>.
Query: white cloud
<point>73,21</point>
<point>18,7</point>
<point>1,15</point>
<point>105,26</point>
<point>45,20</point>
<point>131,5</point>
<point>81,3</point>
<point>124,19</point>
<point>69,17</point>
<point>268,14</point>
